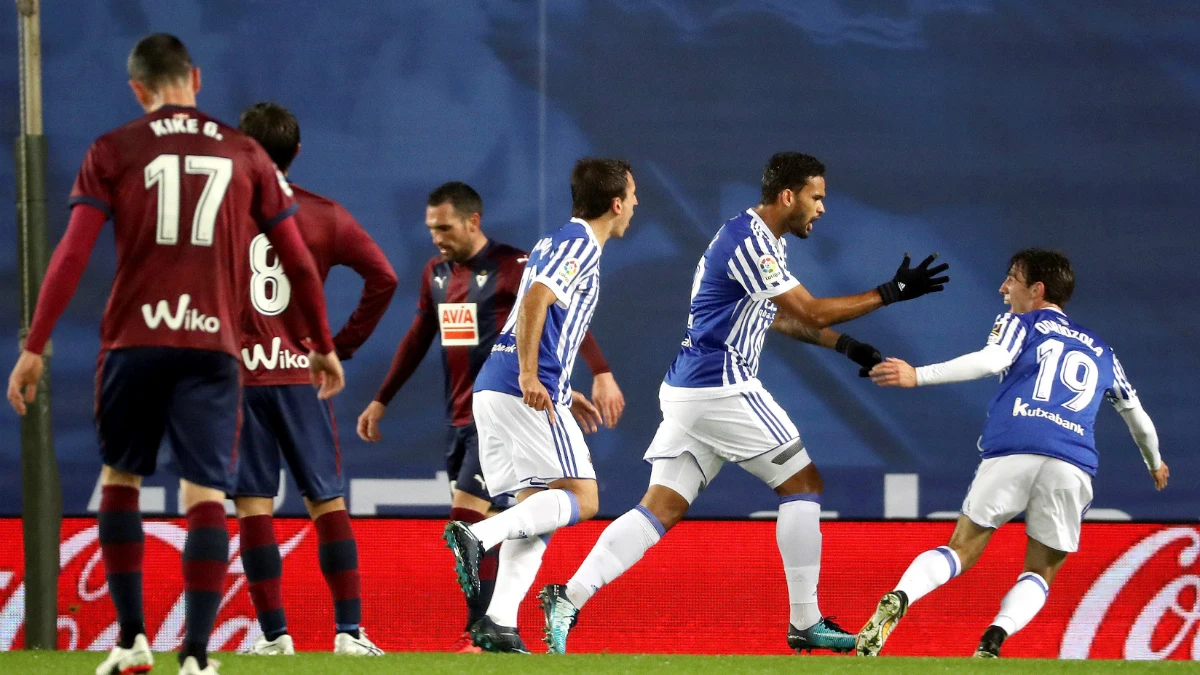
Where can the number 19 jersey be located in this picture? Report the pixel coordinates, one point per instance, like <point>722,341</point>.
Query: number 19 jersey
<point>184,192</point>
<point>1048,397</point>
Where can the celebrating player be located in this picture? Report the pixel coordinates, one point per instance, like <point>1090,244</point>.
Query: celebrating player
<point>1038,447</point>
<point>715,410</point>
<point>467,294</point>
<point>528,442</point>
<point>182,190</point>
<point>282,416</point>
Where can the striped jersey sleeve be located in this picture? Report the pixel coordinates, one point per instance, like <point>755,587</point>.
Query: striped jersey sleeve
<point>759,269</point>
<point>1122,394</point>
<point>569,262</point>
<point>1009,333</point>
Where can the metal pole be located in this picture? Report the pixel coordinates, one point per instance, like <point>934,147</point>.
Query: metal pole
<point>41,493</point>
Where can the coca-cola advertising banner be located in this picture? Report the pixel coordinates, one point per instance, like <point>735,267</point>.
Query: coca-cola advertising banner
<point>1131,592</point>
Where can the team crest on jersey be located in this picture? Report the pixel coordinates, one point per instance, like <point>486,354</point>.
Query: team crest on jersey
<point>460,324</point>
<point>481,278</point>
<point>769,267</point>
<point>568,270</point>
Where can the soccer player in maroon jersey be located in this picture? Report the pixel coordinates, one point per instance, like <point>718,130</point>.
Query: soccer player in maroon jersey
<point>186,195</point>
<point>467,293</point>
<point>281,414</point>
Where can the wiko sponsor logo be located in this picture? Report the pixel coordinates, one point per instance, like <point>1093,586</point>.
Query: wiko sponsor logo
<point>1023,410</point>
<point>182,319</point>
<point>280,358</point>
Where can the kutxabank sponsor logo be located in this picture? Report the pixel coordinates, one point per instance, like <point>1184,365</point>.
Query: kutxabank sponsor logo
<point>1022,409</point>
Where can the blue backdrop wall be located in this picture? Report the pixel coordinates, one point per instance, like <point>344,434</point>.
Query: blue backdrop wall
<point>967,127</point>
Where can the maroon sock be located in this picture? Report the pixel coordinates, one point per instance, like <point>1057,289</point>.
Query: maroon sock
<point>264,567</point>
<point>338,555</point>
<point>205,559</point>
<point>122,546</point>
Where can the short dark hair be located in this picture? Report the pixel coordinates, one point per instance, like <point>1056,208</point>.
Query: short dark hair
<point>595,183</point>
<point>159,59</point>
<point>1049,267</point>
<point>788,171</point>
<point>461,196</point>
<point>276,130</point>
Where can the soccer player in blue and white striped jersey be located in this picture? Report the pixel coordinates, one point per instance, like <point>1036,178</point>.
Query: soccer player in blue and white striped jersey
<point>1038,449</point>
<point>715,410</point>
<point>529,443</point>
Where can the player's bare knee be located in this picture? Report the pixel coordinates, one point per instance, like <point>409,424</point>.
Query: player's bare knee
<point>192,494</point>
<point>667,505</point>
<point>111,476</point>
<point>318,509</point>
<point>254,506</point>
<point>805,481</point>
<point>589,501</point>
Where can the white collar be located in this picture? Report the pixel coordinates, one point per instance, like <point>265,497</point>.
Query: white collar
<point>586,226</point>
<point>756,220</point>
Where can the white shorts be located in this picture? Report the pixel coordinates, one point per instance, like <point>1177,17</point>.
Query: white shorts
<point>519,448</point>
<point>749,429</point>
<point>1053,494</point>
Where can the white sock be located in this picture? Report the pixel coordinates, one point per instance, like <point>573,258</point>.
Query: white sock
<point>798,534</point>
<point>928,571</point>
<point>541,513</point>
<point>620,546</point>
<point>1022,602</point>
<point>520,560</point>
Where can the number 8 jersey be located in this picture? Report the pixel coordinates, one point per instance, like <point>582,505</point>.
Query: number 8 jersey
<point>185,194</point>
<point>1050,393</point>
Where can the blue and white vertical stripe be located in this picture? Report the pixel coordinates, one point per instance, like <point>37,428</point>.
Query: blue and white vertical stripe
<point>568,263</point>
<point>1009,332</point>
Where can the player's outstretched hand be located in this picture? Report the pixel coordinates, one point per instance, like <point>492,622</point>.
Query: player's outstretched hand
<point>585,413</point>
<point>325,371</point>
<point>861,353</point>
<point>608,398</point>
<point>894,373</point>
<point>22,383</point>
<point>914,282</point>
<point>368,422</point>
<point>1161,476</point>
<point>534,393</point>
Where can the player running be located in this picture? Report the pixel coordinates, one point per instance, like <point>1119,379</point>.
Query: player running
<point>1038,448</point>
<point>282,415</point>
<point>467,294</point>
<point>715,410</point>
<point>528,442</point>
<point>186,195</point>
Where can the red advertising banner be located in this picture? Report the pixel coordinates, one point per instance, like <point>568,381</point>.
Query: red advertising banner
<point>1132,591</point>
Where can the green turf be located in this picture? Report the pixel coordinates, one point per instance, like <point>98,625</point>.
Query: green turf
<point>34,663</point>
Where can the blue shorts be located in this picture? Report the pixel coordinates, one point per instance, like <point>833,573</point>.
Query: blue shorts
<point>288,421</point>
<point>188,398</point>
<point>462,461</point>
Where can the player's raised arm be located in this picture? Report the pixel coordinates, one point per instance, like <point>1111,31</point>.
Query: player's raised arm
<point>861,353</point>
<point>1123,397</point>
<point>908,283</point>
<point>358,251</point>
<point>1004,344</point>
<point>531,320</point>
<point>409,353</point>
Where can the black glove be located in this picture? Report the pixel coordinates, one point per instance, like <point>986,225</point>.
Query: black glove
<point>913,283</point>
<point>859,352</point>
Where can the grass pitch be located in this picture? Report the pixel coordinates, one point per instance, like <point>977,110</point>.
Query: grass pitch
<point>37,663</point>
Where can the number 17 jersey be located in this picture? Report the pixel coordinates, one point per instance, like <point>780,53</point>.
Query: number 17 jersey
<point>1050,395</point>
<point>185,193</point>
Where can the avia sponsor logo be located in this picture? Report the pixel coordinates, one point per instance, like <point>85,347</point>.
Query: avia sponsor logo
<point>1024,410</point>
<point>279,358</point>
<point>183,317</point>
<point>1047,326</point>
<point>459,323</point>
